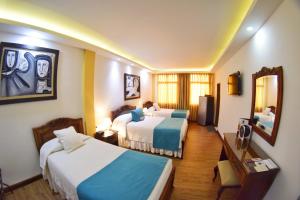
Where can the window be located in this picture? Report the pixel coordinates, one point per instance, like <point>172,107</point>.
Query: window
<point>167,88</point>
<point>200,85</point>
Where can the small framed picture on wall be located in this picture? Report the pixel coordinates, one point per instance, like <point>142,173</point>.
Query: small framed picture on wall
<point>27,73</point>
<point>132,86</point>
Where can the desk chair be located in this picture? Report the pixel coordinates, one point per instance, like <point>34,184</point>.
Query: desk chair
<point>227,176</point>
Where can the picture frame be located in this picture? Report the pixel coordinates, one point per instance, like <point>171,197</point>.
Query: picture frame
<point>132,86</point>
<point>27,73</point>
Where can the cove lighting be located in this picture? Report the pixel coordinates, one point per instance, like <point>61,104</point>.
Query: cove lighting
<point>17,11</point>
<point>241,14</point>
<point>23,12</point>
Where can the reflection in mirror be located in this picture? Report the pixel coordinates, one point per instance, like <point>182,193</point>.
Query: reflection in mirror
<point>266,102</point>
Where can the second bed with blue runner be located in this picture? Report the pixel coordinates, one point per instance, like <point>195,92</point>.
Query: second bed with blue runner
<point>179,114</point>
<point>133,175</point>
<point>166,135</point>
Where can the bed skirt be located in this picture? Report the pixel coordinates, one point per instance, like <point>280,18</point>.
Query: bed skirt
<point>147,147</point>
<point>57,188</point>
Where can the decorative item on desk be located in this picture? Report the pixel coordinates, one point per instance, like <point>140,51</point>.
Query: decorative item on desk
<point>245,131</point>
<point>242,121</point>
<point>105,126</point>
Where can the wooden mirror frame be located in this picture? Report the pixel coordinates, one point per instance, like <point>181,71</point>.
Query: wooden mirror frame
<point>266,72</point>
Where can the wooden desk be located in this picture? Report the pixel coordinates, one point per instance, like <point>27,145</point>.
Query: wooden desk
<point>254,184</point>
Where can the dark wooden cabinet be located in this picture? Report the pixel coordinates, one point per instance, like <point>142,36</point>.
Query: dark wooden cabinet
<point>111,139</point>
<point>254,184</point>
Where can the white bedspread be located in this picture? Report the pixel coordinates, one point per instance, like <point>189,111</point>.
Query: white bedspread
<point>68,170</point>
<point>164,112</point>
<point>142,131</point>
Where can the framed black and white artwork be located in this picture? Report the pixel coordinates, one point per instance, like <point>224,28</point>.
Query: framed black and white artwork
<point>27,73</point>
<point>132,86</point>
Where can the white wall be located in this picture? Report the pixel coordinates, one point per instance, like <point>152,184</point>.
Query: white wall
<point>277,43</point>
<point>19,157</point>
<point>109,85</point>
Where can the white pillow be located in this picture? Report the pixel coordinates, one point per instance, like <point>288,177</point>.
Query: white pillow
<point>71,142</point>
<point>63,132</point>
<point>125,118</point>
<point>156,106</point>
<point>151,109</point>
<point>267,111</point>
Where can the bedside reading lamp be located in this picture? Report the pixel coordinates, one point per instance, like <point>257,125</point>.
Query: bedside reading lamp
<point>105,126</point>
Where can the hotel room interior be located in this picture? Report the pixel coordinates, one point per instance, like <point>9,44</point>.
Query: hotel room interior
<point>149,99</point>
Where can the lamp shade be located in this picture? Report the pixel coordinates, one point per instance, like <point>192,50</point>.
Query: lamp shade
<point>104,125</point>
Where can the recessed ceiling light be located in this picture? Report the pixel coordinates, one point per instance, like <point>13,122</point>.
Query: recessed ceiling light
<point>249,28</point>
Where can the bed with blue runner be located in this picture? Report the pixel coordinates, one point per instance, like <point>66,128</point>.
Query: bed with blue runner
<point>265,123</point>
<point>179,114</point>
<point>166,135</point>
<point>133,175</point>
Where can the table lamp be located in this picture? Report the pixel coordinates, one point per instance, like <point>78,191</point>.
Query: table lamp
<point>105,126</point>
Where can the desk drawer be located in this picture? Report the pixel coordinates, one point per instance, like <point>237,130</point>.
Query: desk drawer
<point>240,171</point>
<point>236,164</point>
<point>228,151</point>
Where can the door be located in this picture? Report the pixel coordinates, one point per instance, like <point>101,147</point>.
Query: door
<point>218,104</point>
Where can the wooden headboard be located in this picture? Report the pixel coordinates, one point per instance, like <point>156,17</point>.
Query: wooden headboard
<point>148,104</point>
<point>273,109</point>
<point>120,111</point>
<point>45,133</point>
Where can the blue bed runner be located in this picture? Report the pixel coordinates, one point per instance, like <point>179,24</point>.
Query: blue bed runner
<point>133,175</point>
<point>166,135</point>
<point>268,124</point>
<point>179,114</point>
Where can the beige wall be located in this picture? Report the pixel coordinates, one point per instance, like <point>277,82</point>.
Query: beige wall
<point>109,85</point>
<point>277,43</point>
<point>19,157</point>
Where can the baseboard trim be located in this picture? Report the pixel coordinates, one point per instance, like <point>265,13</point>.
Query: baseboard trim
<point>23,183</point>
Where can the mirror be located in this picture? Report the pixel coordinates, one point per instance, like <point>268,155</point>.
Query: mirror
<point>267,86</point>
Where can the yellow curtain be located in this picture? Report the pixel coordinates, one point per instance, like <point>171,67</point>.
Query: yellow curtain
<point>183,91</point>
<point>200,85</point>
<point>167,86</point>
<point>260,98</point>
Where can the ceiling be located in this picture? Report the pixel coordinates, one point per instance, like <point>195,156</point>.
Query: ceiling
<point>174,35</point>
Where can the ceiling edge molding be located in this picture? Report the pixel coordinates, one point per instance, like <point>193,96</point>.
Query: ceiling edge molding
<point>21,13</point>
<point>259,15</point>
